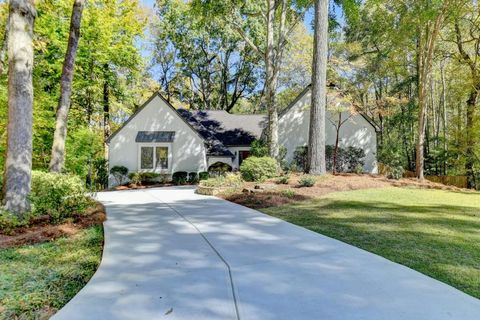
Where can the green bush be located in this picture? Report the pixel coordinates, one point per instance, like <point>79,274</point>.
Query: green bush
<point>8,222</point>
<point>228,181</point>
<point>300,159</point>
<point>259,148</point>
<point>58,195</point>
<point>203,175</point>
<point>140,178</point>
<point>219,168</point>
<point>135,178</point>
<point>180,177</point>
<point>283,179</point>
<point>258,169</point>
<point>394,172</point>
<point>100,174</point>
<point>192,177</point>
<point>307,181</point>
<point>119,173</point>
<point>349,159</point>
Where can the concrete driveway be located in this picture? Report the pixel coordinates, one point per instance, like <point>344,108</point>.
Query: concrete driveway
<point>172,254</point>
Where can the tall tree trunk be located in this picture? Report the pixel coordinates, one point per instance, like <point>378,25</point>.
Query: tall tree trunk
<point>471,106</point>
<point>106,106</point>
<point>18,163</point>
<point>427,37</point>
<point>470,151</point>
<point>271,82</point>
<point>316,140</point>
<point>58,147</point>
<point>337,139</point>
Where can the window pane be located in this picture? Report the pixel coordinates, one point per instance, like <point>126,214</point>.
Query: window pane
<point>162,157</point>
<point>146,158</point>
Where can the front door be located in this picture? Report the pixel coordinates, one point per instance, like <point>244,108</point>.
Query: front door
<point>242,155</point>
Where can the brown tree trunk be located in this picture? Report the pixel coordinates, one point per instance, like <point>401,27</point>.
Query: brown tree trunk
<point>337,138</point>
<point>18,162</point>
<point>470,151</point>
<point>316,140</point>
<point>58,147</point>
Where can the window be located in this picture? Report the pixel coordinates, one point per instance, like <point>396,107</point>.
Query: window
<point>161,154</point>
<point>146,158</point>
<point>154,157</point>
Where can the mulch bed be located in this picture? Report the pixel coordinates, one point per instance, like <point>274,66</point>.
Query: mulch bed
<point>41,230</point>
<point>327,184</point>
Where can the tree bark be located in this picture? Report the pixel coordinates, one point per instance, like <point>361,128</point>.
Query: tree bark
<point>271,82</point>
<point>58,148</point>
<point>427,37</point>
<point>337,140</point>
<point>18,163</point>
<point>316,140</point>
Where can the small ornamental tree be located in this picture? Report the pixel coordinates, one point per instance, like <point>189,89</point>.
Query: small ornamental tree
<point>119,173</point>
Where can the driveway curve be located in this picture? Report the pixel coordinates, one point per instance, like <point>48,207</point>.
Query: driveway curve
<point>172,254</point>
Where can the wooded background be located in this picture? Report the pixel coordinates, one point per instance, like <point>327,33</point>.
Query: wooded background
<point>399,62</point>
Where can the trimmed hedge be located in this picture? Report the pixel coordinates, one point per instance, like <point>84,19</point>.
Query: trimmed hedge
<point>203,175</point>
<point>258,169</point>
<point>192,177</point>
<point>180,177</point>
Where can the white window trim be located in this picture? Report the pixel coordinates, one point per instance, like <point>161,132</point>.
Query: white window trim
<point>155,144</point>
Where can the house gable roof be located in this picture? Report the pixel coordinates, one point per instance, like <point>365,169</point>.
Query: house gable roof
<point>142,107</point>
<point>230,129</point>
<point>306,90</point>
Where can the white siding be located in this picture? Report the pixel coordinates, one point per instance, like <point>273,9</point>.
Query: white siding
<point>187,149</point>
<point>235,151</point>
<point>357,132</point>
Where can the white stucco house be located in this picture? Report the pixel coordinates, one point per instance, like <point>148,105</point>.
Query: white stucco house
<point>159,138</point>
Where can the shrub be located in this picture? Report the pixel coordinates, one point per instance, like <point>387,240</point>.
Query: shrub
<point>307,181</point>
<point>179,177</point>
<point>258,169</point>
<point>58,195</point>
<point>149,176</point>
<point>192,177</point>
<point>140,178</point>
<point>203,175</point>
<point>259,148</point>
<point>358,169</point>
<point>8,222</point>
<point>119,173</point>
<point>348,159</point>
<point>394,172</point>
<point>219,168</point>
<point>135,178</point>
<point>283,179</point>
<point>289,193</point>
<point>100,173</point>
<point>299,162</point>
<point>228,181</point>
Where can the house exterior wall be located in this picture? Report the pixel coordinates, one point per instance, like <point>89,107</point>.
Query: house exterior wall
<point>227,160</point>
<point>235,151</point>
<point>187,151</point>
<point>358,132</point>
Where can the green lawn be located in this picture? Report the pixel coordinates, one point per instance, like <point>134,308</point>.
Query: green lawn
<point>432,231</point>
<point>37,280</point>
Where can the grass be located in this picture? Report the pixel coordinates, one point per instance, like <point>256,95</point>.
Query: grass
<point>37,280</point>
<point>432,231</point>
